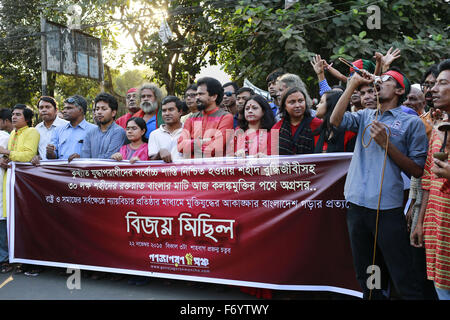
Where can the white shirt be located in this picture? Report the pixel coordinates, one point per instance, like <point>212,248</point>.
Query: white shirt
<point>161,138</point>
<point>46,135</point>
<point>4,137</point>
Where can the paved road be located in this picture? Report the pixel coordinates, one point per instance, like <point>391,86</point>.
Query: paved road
<point>52,285</point>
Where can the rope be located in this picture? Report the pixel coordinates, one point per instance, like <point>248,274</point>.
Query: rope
<point>382,176</point>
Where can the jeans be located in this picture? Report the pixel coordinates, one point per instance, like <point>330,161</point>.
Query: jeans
<point>392,243</point>
<point>443,294</point>
<point>4,255</point>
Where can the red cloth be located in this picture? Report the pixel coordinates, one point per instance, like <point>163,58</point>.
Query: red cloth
<point>253,142</point>
<point>122,121</point>
<point>216,124</point>
<point>315,124</point>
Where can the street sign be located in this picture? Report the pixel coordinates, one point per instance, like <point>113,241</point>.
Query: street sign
<point>71,52</point>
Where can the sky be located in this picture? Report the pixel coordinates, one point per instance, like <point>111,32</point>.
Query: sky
<point>214,71</point>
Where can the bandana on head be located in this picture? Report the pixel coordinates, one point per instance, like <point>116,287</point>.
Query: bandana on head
<point>367,65</point>
<point>400,78</point>
<point>131,90</point>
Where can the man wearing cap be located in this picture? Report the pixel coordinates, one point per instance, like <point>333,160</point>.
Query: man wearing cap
<point>67,141</point>
<point>133,108</point>
<point>406,146</point>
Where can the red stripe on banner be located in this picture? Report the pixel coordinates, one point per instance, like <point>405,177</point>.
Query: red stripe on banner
<point>273,222</point>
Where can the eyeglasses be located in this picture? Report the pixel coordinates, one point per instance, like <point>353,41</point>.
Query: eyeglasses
<point>386,77</point>
<point>71,100</point>
<point>427,85</point>
<point>228,93</point>
<point>190,95</point>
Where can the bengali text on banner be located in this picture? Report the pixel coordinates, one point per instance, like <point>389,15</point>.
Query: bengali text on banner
<point>275,222</point>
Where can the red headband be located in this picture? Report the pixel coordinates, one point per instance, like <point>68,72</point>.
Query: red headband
<point>397,76</point>
<point>131,90</point>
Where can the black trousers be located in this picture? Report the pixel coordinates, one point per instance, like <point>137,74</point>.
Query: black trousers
<point>393,244</point>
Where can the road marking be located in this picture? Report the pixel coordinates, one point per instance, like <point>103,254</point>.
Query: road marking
<point>6,281</point>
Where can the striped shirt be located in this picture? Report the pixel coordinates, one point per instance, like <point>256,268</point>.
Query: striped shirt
<point>436,223</point>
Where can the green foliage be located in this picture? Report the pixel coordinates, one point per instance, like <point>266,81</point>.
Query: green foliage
<point>20,55</point>
<point>261,36</point>
<point>177,62</point>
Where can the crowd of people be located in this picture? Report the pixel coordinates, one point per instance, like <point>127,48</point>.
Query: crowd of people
<point>392,127</point>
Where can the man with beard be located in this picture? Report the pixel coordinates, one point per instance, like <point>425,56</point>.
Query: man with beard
<point>403,149</point>
<point>133,107</point>
<point>150,96</point>
<point>107,137</point>
<point>206,132</point>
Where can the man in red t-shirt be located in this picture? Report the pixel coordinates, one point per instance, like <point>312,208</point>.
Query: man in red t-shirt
<point>206,132</point>
<point>133,108</point>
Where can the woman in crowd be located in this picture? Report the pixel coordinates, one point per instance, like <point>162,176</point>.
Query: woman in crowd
<point>137,148</point>
<point>331,139</point>
<point>253,134</point>
<point>297,126</point>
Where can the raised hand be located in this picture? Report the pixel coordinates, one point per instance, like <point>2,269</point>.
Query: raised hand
<point>387,59</point>
<point>318,64</point>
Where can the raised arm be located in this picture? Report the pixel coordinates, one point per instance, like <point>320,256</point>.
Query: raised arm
<point>355,81</point>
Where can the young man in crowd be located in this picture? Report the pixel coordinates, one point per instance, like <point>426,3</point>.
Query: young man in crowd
<point>190,97</point>
<point>272,87</point>
<point>107,137</point>
<point>67,141</point>
<point>406,148</point>
<point>229,97</point>
<point>162,144</point>
<point>242,95</point>
<point>205,132</point>
<point>5,120</point>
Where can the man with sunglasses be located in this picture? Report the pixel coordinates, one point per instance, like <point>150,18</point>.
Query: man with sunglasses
<point>229,97</point>
<point>406,146</point>
<point>67,141</point>
<point>190,97</point>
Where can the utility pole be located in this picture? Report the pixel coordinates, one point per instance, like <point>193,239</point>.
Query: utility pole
<point>43,56</point>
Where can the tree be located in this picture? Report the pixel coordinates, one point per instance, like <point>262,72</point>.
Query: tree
<point>20,56</point>
<point>177,62</point>
<point>261,36</point>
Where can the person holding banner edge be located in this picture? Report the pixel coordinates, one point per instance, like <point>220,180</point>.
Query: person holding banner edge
<point>22,147</point>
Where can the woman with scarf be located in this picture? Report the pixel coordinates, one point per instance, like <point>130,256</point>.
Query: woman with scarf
<point>297,125</point>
